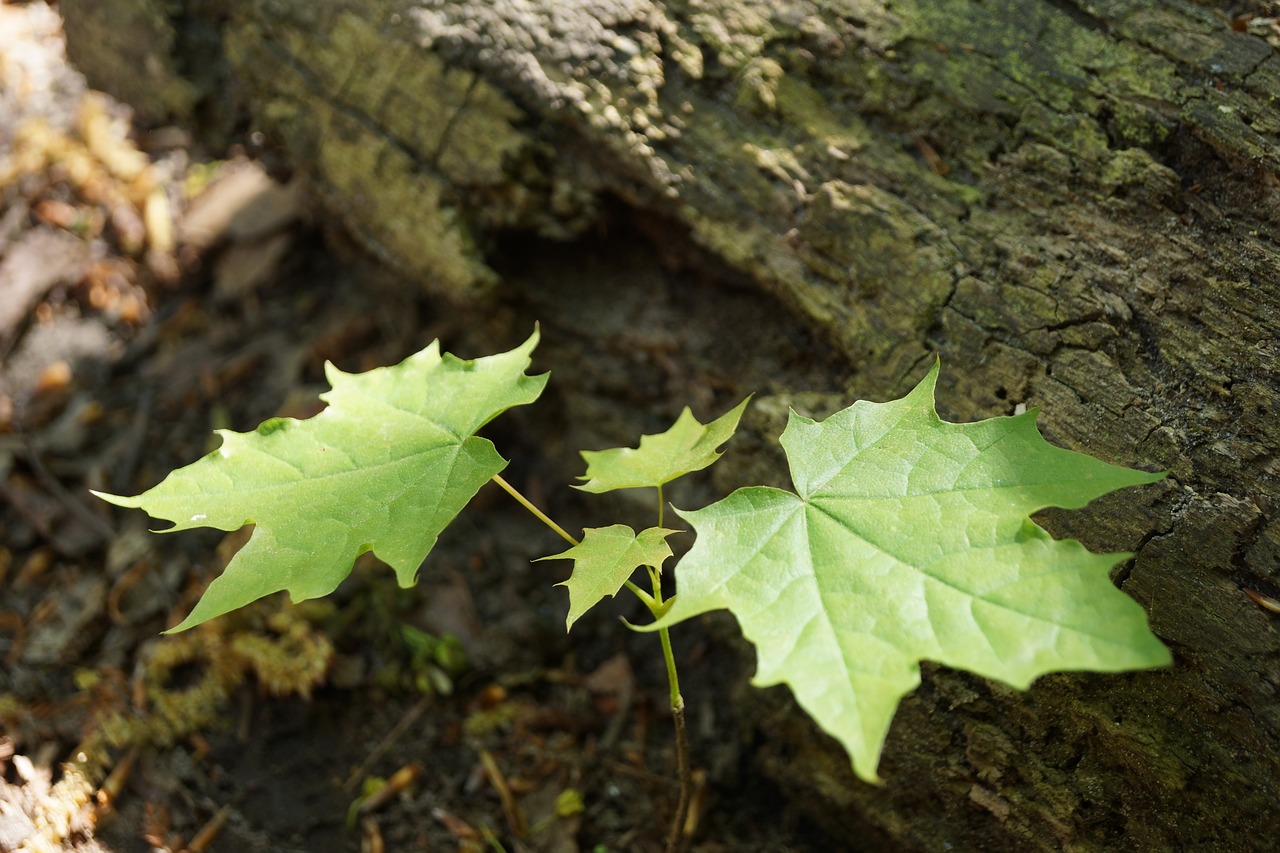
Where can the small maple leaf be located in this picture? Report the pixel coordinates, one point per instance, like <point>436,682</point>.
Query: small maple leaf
<point>687,447</point>
<point>605,559</point>
<point>908,539</point>
<point>391,461</point>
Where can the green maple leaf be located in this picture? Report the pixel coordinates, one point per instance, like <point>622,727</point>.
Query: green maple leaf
<point>605,559</point>
<point>688,446</point>
<point>391,461</point>
<point>909,539</point>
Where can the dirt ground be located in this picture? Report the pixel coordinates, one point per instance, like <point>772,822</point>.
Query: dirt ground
<point>151,292</point>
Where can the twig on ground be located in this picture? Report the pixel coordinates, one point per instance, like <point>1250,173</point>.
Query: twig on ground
<point>410,717</point>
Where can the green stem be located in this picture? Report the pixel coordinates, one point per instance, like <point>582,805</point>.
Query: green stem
<point>537,513</point>
<point>675,836</point>
<point>673,678</point>
<point>656,605</point>
<point>642,595</point>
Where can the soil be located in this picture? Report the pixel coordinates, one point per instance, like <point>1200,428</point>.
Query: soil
<point>151,292</point>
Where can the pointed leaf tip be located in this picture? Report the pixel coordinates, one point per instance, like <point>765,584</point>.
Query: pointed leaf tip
<point>117,500</point>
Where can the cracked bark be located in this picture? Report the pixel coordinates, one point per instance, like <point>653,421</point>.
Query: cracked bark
<point>1075,201</point>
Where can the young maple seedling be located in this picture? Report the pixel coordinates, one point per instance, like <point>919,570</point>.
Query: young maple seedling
<point>907,538</point>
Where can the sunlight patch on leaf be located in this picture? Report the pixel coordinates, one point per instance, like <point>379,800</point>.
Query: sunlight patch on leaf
<point>909,539</point>
<point>391,461</point>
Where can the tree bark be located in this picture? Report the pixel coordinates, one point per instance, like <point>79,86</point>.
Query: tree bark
<point>1074,202</point>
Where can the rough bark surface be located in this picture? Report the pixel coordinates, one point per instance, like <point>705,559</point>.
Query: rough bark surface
<point>1075,202</point>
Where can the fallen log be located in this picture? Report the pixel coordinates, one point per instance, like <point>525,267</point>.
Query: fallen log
<point>1074,202</point>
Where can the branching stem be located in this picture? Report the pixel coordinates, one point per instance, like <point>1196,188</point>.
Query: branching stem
<point>657,606</point>
<point>642,595</point>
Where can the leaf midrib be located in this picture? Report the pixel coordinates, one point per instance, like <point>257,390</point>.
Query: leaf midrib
<point>360,469</point>
<point>843,524</point>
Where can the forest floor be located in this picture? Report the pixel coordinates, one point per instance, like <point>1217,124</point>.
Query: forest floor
<point>150,293</point>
